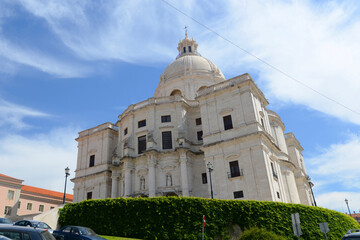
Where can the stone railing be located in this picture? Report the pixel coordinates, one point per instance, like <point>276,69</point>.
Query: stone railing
<point>98,128</point>
<point>159,100</point>
<point>224,84</point>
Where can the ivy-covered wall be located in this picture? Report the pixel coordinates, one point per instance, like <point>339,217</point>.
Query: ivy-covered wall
<point>181,217</point>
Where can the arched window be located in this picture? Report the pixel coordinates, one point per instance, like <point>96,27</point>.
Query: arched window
<point>175,92</point>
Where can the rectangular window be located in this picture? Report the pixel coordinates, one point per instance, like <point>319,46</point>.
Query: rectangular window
<point>189,47</point>
<point>10,194</point>
<point>141,144</point>
<point>199,135</point>
<point>142,123</point>
<point>41,208</point>
<point>234,169</point>
<point>166,140</point>
<point>7,210</point>
<point>204,178</point>
<point>198,121</point>
<point>29,206</point>
<point>239,194</point>
<point>184,49</point>
<point>278,195</point>
<point>262,123</point>
<point>227,122</point>
<point>273,170</point>
<point>166,118</point>
<point>125,131</point>
<point>89,195</point>
<point>92,161</point>
<point>19,204</point>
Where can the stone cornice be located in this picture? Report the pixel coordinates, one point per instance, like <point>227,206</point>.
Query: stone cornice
<point>239,81</point>
<point>97,130</point>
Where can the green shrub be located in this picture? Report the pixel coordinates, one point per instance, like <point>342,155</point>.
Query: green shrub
<point>181,217</point>
<point>259,234</point>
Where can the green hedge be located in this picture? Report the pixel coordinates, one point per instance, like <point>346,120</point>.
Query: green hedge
<point>259,234</point>
<point>181,217</point>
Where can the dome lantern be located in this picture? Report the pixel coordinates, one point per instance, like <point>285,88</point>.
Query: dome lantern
<point>187,46</point>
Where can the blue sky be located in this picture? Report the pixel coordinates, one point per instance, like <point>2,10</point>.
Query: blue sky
<point>67,66</point>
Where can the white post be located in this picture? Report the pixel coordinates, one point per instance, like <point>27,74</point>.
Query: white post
<point>115,185</point>
<point>127,182</point>
<point>184,179</point>
<point>152,176</point>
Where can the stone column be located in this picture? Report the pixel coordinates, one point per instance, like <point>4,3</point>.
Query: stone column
<point>293,192</point>
<point>115,184</point>
<point>184,177</point>
<point>152,174</point>
<point>127,175</point>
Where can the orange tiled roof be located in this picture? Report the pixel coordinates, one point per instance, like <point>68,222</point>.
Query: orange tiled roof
<point>46,192</point>
<point>3,175</point>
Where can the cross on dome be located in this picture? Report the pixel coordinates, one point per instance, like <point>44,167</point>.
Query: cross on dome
<point>187,46</point>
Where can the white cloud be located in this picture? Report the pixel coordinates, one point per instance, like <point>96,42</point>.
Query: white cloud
<point>335,173</point>
<point>42,61</point>
<point>12,115</point>
<point>314,42</point>
<point>40,160</point>
<point>336,201</point>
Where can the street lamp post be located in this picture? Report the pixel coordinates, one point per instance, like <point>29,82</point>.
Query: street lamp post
<point>312,192</point>
<point>210,169</point>
<point>67,170</point>
<point>347,203</point>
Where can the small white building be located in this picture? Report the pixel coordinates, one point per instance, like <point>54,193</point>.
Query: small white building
<point>163,145</point>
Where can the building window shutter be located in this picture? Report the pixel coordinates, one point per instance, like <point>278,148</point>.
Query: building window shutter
<point>227,122</point>
<point>166,140</point>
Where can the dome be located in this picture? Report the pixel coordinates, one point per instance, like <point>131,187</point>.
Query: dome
<point>191,64</point>
<point>189,72</point>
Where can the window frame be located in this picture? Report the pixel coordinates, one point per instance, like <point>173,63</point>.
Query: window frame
<point>92,160</point>
<point>238,194</point>
<point>88,195</point>
<point>199,135</point>
<point>41,208</point>
<point>234,169</point>
<point>198,121</point>
<point>227,120</point>
<point>142,144</point>
<point>10,194</point>
<point>166,140</point>
<point>7,210</point>
<point>142,123</point>
<point>165,118</point>
<point>204,178</point>
<point>29,206</point>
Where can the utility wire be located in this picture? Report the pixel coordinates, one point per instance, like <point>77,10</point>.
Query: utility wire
<point>263,61</point>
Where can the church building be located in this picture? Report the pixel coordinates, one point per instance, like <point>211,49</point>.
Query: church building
<point>200,135</point>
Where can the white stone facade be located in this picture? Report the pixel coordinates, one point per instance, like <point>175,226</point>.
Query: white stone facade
<point>161,146</point>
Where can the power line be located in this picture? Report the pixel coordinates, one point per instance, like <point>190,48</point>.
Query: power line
<point>263,61</point>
